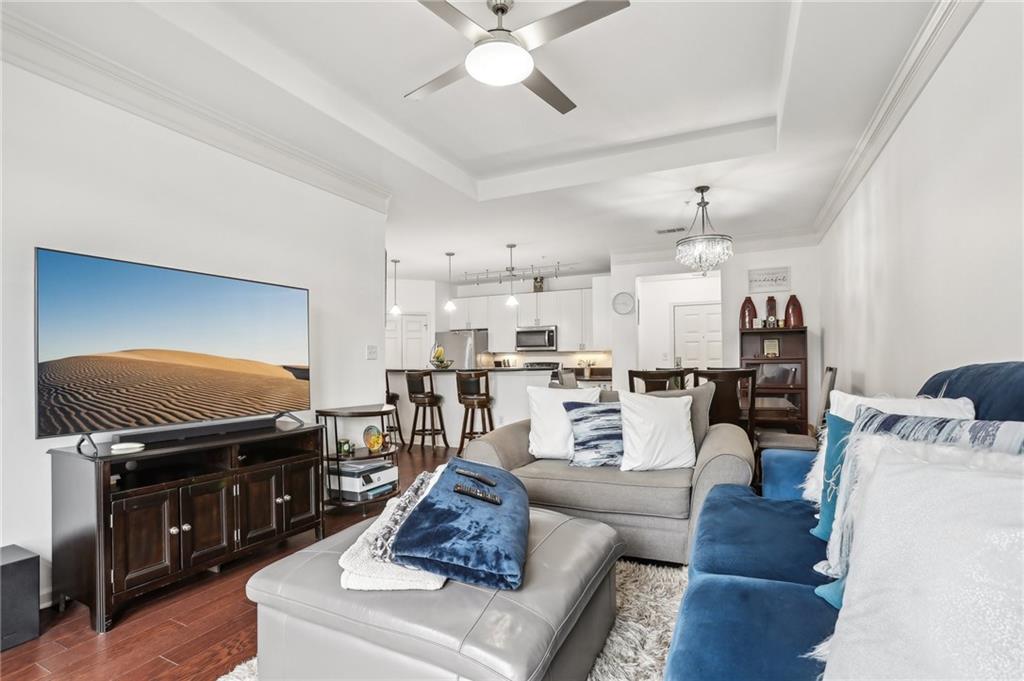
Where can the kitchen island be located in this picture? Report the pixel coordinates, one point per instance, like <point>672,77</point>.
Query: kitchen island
<point>508,390</point>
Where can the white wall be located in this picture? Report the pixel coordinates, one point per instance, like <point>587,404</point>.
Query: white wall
<point>922,270</point>
<point>83,176</point>
<point>657,298</point>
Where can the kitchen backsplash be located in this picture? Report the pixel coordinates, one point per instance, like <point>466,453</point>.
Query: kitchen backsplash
<point>567,359</point>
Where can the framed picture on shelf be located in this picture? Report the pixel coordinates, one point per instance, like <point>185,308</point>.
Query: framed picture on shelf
<point>771,347</point>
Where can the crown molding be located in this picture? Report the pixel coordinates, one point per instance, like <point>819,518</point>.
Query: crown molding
<point>937,36</point>
<point>40,51</point>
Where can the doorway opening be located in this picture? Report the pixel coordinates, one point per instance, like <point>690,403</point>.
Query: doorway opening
<point>680,321</point>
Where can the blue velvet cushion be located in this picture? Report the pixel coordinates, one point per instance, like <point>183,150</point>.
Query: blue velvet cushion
<point>467,539</point>
<point>741,629</point>
<point>996,389</point>
<point>835,450</point>
<point>783,472</point>
<point>742,534</point>
<point>596,432</point>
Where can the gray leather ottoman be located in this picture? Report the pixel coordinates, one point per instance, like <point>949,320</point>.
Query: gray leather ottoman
<point>552,628</point>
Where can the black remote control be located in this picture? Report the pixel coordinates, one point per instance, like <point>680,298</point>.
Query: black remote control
<point>479,477</point>
<point>478,494</point>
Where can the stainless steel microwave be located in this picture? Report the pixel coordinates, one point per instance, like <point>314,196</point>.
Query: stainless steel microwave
<point>536,338</point>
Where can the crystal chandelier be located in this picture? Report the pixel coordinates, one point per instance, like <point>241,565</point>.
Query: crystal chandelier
<point>705,251</point>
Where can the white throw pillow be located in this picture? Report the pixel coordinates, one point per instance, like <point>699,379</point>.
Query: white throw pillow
<point>935,588</point>
<point>844,405</point>
<point>656,432</point>
<point>550,428</point>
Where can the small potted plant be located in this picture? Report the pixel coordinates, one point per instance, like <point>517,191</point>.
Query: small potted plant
<point>586,364</point>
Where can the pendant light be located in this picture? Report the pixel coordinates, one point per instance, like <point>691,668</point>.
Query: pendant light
<point>395,310</point>
<point>449,306</point>
<point>705,251</point>
<point>511,300</point>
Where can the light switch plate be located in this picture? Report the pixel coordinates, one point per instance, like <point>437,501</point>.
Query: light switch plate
<point>371,352</point>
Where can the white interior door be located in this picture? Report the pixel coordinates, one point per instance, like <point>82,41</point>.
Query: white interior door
<point>415,342</point>
<point>698,335</point>
<point>393,343</point>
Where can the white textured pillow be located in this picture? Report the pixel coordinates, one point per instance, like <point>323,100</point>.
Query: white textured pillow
<point>935,587</point>
<point>550,428</point>
<point>844,405</point>
<point>656,432</point>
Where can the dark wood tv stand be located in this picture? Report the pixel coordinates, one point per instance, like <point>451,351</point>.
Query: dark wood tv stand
<point>126,524</point>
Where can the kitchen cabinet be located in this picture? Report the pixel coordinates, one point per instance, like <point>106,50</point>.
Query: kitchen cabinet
<point>501,324</point>
<point>569,305</point>
<point>588,319</point>
<point>601,314</point>
<point>526,312</point>
<point>548,313</point>
<point>470,313</point>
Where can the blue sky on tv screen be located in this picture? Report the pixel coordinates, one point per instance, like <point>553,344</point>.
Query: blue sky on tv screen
<point>90,305</point>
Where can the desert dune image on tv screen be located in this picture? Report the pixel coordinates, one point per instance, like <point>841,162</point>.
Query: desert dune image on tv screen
<point>123,345</point>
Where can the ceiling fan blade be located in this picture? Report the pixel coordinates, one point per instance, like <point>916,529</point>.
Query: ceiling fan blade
<point>565,21</point>
<point>549,92</point>
<point>456,19</point>
<point>447,78</point>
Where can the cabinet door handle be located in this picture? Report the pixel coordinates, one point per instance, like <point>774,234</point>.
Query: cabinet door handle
<point>287,497</point>
<point>279,500</point>
<point>243,457</point>
<point>186,527</point>
<point>173,530</point>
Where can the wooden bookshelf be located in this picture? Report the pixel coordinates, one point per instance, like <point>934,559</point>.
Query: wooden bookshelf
<point>781,377</point>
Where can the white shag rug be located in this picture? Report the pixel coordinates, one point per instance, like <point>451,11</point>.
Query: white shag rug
<point>647,604</point>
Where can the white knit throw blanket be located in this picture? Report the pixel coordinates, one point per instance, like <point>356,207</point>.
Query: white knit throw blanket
<point>361,571</point>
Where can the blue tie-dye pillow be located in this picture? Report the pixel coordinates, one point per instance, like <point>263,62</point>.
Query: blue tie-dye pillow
<point>596,432</point>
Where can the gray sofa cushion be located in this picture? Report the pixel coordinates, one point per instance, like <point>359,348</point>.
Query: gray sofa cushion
<point>553,482</point>
<point>475,632</point>
<point>700,409</point>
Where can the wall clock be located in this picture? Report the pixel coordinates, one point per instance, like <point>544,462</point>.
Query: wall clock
<point>623,302</point>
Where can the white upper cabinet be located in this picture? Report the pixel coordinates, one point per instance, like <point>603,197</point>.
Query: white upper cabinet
<point>588,320</point>
<point>526,313</point>
<point>569,306</point>
<point>548,313</point>
<point>601,309</point>
<point>501,325</point>
<point>470,313</point>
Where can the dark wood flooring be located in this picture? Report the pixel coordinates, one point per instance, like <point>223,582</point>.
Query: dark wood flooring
<point>198,629</point>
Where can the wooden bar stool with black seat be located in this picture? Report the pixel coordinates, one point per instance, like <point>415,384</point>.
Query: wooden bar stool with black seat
<point>661,379</point>
<point>427,402</point>
<point>475,395</point>
<point>394,420</point>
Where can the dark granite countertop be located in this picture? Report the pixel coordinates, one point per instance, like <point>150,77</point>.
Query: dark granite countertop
<point>451,371</point>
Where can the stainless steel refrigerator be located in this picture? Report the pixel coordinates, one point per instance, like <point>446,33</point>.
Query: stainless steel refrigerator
<point>466,347</point>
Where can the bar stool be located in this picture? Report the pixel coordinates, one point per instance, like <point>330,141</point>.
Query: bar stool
<point>474,391</point>
<point>394,420</point>
<point>426,401</point>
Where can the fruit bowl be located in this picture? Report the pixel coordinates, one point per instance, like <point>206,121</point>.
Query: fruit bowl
<point>442,364</point>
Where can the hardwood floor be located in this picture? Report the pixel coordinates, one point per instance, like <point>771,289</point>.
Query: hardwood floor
<point>198,629</point>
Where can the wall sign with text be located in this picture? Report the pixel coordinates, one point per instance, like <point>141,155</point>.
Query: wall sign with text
<point>768,279</point>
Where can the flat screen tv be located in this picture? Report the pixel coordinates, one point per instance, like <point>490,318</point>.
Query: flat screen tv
<point>122,345</point>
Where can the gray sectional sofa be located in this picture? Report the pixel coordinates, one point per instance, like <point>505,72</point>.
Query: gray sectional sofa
<point>652,510</point>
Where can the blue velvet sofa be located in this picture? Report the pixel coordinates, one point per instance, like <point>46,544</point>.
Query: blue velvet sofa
<point>750,611</point>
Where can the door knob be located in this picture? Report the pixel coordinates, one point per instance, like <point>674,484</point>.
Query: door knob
<point>279,500</point>
<point>287,497</point>
<point>173,530</point>
<point>186,527</point>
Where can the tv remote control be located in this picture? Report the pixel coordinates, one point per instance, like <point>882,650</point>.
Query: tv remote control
<point>489,497</point>
<point>479,477</point>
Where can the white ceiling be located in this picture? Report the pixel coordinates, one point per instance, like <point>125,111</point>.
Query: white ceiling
<point>763,101</point>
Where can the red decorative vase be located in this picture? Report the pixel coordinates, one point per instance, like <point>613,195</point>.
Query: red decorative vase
<point>769,307</point>
<point>794,313</point>
<point>748,313</point>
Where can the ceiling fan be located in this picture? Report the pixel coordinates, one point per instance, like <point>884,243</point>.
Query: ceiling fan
<point>501,57</point>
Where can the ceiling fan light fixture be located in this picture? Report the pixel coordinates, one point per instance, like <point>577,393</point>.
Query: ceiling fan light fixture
<point>499,60</point>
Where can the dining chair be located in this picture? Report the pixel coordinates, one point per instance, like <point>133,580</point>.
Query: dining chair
<point>660,379</point>
<point>807,442</point>
<point>733,388</point>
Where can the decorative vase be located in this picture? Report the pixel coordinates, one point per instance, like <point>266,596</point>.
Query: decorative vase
<point>748,313</point>
<point>794,313</point>
<point>769,308</point>
<point>586,372</point>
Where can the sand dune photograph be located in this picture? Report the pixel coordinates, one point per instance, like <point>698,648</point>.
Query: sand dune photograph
<point>168,346</point>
